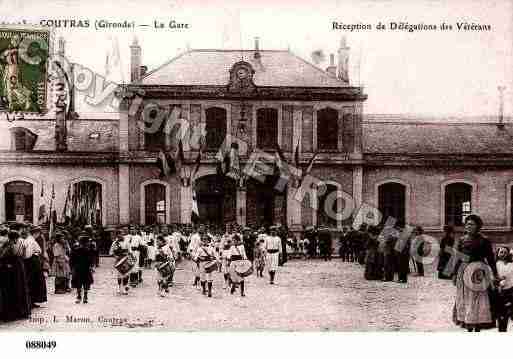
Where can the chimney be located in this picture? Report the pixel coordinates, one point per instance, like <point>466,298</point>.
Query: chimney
<point>343,61</point>
<point>135,61</point>
<point>501,89</point>
<point>332,69</point>
<point>257,49</point>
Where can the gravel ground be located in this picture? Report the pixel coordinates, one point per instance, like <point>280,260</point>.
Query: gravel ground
<point>308,296</point>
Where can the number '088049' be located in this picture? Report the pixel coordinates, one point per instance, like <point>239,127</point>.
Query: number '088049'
<point>40,344</point>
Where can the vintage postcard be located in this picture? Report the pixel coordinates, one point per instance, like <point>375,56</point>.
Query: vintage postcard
<point>178,166</point>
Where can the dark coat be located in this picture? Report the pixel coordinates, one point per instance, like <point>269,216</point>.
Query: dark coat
<point>14,293</point>
<point>82,260</point>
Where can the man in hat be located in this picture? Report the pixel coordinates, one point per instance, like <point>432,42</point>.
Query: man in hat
<point>273,249</point>
<point>249,240</point>
<point>325,243</point>
<point>82,261</point>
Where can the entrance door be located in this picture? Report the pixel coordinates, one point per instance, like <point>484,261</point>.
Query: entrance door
<point>19,201</point>
<point>265,205</point>
<point>155,204</point>
<point>216,200</point>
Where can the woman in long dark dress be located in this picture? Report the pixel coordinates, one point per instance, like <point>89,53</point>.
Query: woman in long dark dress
<point>14,294</point>
<point>444,257</point>
<point>372,270</point>
<point>473,308</point>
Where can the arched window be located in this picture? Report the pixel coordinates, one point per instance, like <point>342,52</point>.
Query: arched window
<point>19,201</point>
<point>458,203</point>
<point>392,201</point>
<point>328,207</point>
<point>215,127</point>
<point>155,203</point>
<point>86,203</point>
<point>327,129</point>
<point>154,137</point>
<point>267,128</point>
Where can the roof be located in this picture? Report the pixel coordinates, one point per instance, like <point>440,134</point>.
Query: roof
<point>211,67</point>
<point>437,138</point>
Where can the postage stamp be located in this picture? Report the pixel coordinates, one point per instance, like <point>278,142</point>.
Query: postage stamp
<point>24,57</point>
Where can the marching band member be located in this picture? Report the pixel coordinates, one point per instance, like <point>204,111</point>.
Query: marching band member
<point>225,263</point>
<point>194,244</point>
<point>260,257</point>
<point>135,247</point>
<point>273,249</point>
<point>204,254</point>
<point>237,253</point>
<point>120,250</point>
<point>164,254</point>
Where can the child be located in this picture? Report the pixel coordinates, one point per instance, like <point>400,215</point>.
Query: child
<point>225,263</point>
<point>260,258</point>
<point>82,261</point>
<point>237,253</point>
<point>163,255</point>
<point>505,297</point>
<point>151,254</point>
<point>205,254</point>
<point>119,250</point>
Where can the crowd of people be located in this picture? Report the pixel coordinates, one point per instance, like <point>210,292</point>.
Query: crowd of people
<point>28,258</point>
<point>483,277</point>
<point>235,253</point>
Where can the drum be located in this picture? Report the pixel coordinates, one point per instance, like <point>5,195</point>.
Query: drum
<point>125,264</point>
<point>243,268</point>
<point>166,269</point>
<point>210,266</point>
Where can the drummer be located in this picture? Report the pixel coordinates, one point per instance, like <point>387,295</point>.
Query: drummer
<point>225,262</point>
<point>237,254</point>
<point>194,244</point>
<point>136,242</point>
<point>205,254</point>
<point>273,249</point>
<point>119,250</point>
<point>164,255</point>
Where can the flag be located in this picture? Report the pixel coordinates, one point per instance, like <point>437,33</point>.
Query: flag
<point>195,212</point>
<point>42,208</point>
<point>52,213</point>
<point>296,156</point>
<point>196,166</point>
<point>113,65</point>
<point>233,165</point>
<point>179,157</point>
<point>308,168</point>
<point>310,164</point>
<point>223,162</point>
<point>166,164</point>
<point>66,212</point>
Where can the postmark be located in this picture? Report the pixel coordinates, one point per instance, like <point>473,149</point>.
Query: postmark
<point>24,54</point>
